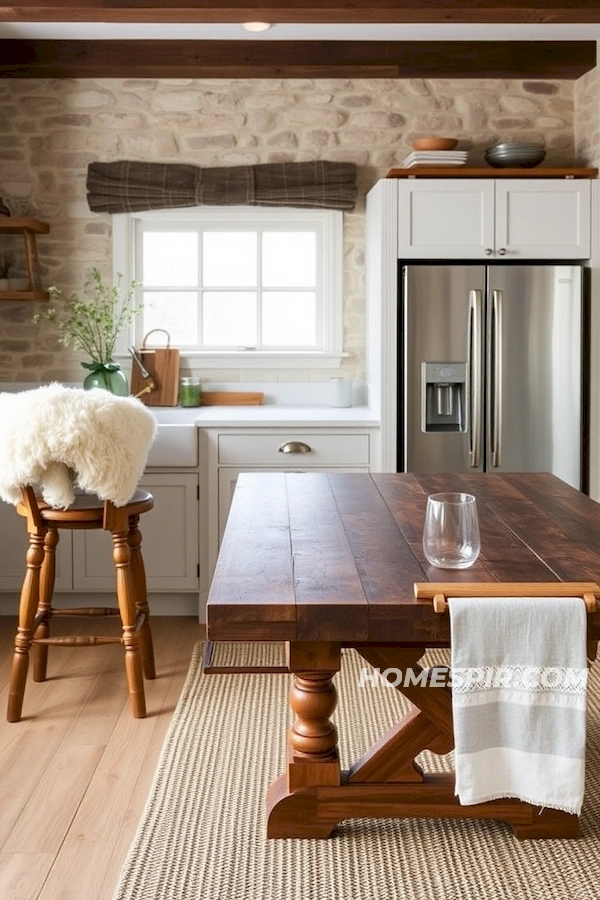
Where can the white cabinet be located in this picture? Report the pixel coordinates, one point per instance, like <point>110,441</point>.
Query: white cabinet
<point>13,549</point>
<point>445,218</point>
<point>543,219</point>
<point>170,540</point>
<point>494,218</point>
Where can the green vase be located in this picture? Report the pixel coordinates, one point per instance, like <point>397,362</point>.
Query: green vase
<point>108,376</point>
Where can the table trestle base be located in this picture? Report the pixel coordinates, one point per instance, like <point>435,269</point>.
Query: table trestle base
<point>386,782</point>
<point>314,812</point>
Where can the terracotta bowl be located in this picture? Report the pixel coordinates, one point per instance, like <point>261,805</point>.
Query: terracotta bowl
<point>435,143</point>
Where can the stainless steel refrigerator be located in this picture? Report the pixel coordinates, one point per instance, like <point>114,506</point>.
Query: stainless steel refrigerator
<point>490,374</point>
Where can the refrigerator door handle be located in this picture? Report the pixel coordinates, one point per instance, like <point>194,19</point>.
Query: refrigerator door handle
<point>495,357</point>
<point>475,376</point>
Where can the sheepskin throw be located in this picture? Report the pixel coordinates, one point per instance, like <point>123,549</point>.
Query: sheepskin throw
<point>58,438</point>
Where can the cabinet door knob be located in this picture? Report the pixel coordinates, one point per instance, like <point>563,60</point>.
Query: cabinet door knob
<point>295,447</point>
<point>502,251</point>
<point>488,251</point>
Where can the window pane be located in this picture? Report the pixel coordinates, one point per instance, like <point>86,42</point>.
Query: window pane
<point>230,318</point>
<point>289,318</point>
<point>229,258</point>
<point>289,259</point>
<point>176,312</point>
<point>170,259</point>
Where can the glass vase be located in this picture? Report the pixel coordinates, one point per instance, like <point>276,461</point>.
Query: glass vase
<point>108,376</point>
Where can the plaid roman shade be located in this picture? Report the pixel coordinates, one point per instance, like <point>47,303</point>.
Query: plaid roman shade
<point>126,186</point>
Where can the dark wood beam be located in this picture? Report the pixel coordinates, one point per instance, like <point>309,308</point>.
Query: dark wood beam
<point>304,59</point>
<point>318,11</point>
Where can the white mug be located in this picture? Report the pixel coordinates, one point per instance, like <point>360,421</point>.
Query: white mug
<point>341,392</point>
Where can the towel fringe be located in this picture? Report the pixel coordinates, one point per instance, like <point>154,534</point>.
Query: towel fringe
<point>501,795</point>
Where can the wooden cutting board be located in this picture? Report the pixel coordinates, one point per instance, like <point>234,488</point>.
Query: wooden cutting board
<point>162,364</point>
<point>231,398</point>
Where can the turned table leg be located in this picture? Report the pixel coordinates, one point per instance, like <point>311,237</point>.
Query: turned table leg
<point>312,759</point>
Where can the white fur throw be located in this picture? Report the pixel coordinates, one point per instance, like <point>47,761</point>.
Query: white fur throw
<point>58,438</point>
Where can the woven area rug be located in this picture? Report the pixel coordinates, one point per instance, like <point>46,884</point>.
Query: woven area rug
<point>202,834</point>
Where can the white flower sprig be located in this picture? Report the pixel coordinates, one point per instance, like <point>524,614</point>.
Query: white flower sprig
<point>93,325</point>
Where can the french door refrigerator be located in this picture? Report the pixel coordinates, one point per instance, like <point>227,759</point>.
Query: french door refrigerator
<point>490,374</point>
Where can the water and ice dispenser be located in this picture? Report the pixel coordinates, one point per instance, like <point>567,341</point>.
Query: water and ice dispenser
<point>443,396</point>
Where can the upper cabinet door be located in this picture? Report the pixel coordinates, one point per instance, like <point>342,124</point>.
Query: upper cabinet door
<point>543,219</point>
<point>445,218</point>
<point>494,219</point>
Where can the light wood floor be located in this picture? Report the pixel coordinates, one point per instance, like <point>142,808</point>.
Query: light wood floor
<point>75,772</point>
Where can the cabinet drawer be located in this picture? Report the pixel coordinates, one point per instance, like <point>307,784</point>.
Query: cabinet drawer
<point>263,449</point>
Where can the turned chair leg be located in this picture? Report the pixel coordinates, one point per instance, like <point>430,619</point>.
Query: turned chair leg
<point>44,610</point>
<point>131,642</point>
<point>138,573</point>
<point>28,604</point>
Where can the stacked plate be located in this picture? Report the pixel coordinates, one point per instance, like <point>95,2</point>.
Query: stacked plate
<point>435,158</point>
<point>517,154</point>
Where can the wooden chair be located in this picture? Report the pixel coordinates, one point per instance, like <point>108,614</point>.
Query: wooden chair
<point>35,607</point>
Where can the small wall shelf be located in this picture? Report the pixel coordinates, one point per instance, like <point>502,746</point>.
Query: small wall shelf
<point>29,228</point>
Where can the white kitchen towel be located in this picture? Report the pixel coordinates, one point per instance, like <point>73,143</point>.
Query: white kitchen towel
<point>519,675</point>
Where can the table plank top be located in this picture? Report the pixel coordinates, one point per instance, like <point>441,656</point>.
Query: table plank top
<point>334,557</point>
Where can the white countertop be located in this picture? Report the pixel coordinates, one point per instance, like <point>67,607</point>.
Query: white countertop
<point>267,415</point>
<point>275,412</point>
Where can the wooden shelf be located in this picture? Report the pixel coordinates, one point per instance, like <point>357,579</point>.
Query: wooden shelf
<point>24,295</point>
<point>28,228</point>
<point>19,224</point>
<point>490,172</point>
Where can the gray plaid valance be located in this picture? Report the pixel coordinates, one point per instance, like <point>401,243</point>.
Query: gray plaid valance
<point>126,186</point>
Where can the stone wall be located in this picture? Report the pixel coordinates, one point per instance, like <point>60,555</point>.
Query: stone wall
<point>52,129</point>
<point>587,124</point>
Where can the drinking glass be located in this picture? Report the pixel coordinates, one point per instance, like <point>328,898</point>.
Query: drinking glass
<point>451,534</point>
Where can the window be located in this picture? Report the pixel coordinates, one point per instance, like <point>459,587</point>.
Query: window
<point>238,286</point>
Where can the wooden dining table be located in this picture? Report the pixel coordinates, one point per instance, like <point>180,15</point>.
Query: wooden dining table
<point>325,561</point>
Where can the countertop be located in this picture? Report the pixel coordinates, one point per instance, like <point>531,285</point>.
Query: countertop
<point>267,415</point>
<point>277,412</point>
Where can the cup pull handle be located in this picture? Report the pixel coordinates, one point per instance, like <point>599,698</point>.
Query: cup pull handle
<point>295,447</point>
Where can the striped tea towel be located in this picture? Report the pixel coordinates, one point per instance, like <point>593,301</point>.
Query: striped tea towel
<point>519,676</point>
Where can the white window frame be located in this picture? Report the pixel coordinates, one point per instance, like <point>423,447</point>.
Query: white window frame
<point>329,226</point>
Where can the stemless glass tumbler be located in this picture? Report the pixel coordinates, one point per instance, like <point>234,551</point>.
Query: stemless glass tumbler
<point>451,534</point>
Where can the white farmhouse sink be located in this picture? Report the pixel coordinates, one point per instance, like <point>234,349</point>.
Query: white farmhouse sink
<point>176,442</point>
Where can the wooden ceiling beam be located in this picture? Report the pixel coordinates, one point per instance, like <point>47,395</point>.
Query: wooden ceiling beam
<point>293,59</point>
<point>304,11</point>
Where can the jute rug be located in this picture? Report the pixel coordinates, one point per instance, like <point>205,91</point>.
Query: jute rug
<point>202,834</point>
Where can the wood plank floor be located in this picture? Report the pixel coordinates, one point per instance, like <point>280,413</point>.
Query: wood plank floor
<point>75,772</point>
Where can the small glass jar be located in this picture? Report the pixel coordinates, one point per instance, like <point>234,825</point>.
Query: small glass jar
<point>189,391</point>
